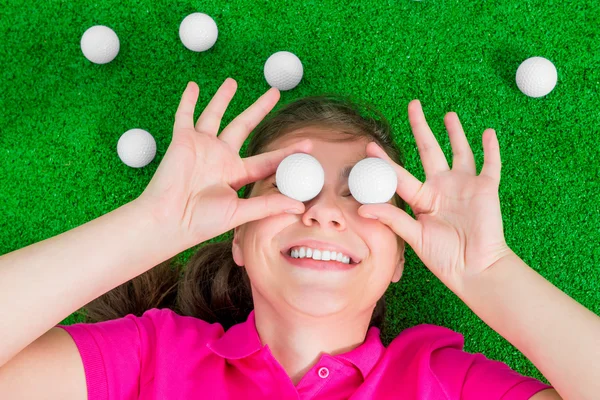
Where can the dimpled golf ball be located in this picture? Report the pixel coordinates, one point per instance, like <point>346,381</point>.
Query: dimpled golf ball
<point>136,148</point>
<point>536,77</point>
<point>372,180</point>
<point>198,32</point>
<point>100,44</point>
<point>283,70</point>
<point>300,176</point>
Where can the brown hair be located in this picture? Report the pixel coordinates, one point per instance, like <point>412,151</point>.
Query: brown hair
<point>211,286</point>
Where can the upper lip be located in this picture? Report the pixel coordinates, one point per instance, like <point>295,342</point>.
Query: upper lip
<point>319,244</point>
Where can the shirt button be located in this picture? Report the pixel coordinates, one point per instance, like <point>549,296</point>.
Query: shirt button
<point>323,372</point>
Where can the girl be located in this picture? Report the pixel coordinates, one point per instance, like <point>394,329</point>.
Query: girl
<point>254,317</point>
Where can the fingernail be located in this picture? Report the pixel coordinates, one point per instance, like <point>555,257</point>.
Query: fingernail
<point>370,216</point>
<point>293,211</point>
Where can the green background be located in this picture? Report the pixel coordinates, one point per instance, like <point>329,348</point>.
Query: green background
<point>62,115</point>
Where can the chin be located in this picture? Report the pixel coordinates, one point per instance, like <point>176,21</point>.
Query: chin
<point>317,303</point>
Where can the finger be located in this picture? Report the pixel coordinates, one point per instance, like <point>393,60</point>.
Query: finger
<point>432,156</point>
<point>398,220</point>
<point>462,154</point>
<point>184,117</point>
<point>408,186</point>
<point>210,119</point>
<point>238,130</point>
<point>259,207</point>
<point>492,163</point>
<point>264,165</point>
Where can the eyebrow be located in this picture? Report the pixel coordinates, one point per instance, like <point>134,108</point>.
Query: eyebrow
<point>345,173</point>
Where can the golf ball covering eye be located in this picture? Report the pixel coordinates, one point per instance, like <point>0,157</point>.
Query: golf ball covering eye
<point>300,176</point>
<point>372,180</point>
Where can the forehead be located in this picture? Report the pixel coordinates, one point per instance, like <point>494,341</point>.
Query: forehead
<point>328,144</point>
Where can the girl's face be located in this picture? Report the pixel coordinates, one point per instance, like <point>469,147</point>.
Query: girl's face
<point>331,217</point>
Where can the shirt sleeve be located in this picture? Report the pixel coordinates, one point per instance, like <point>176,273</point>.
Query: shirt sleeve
<point>484,378</point>
<point>113,351</point>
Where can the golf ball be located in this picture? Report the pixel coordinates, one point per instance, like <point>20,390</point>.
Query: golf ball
<point>300,176</point>
<point>100,44</point>
<point>372,180</point>
<point>198,32</point>
<point>136,148</point>
<point>283,70</point>
<point>536,76</point>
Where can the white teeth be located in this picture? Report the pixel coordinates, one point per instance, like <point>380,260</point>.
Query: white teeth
<point>315,254</point>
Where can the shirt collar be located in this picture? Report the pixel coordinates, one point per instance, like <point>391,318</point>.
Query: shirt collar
<point>242,340</point>
<point>365,356</point>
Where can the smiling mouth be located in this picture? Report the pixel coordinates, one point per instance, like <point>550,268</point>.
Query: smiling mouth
<point>318,264</point>
<point>289,254</point>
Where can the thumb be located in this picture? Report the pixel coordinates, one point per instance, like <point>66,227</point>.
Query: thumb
<point>264,206</point>
<point>398,220</point>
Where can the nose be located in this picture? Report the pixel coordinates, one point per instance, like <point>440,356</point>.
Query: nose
<point>324,210</point>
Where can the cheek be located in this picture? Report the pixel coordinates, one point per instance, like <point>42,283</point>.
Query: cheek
<point>380,238</point>
<point>261,236</point>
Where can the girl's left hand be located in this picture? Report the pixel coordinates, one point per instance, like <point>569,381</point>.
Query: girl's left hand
<point>458,228</point>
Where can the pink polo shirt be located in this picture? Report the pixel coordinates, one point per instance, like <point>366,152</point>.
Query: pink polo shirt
<point>162,355</point>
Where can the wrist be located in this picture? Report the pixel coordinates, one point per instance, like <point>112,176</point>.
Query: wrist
<point>160,225</point>
<point>483,273</point>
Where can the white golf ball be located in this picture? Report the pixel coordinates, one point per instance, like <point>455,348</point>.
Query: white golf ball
<point>372,180</point>
<point>283,70</point>
<point>136,148</point>
<point>100,44</point>
<point>198,32</point>
<point>536,76</point>
<point>300,176</point>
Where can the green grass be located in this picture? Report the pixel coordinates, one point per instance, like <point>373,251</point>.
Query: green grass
<point>62,115</point>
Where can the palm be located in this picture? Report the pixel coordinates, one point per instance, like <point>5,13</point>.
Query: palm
<point>204,161</point>
<point>454,206</point>
<point>458,226</point>
<point>194,189</point>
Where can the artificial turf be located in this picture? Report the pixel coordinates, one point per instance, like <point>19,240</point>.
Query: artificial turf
<point>62,115</point>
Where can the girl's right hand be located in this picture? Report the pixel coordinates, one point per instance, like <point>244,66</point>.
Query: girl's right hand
<point>194,189</point>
